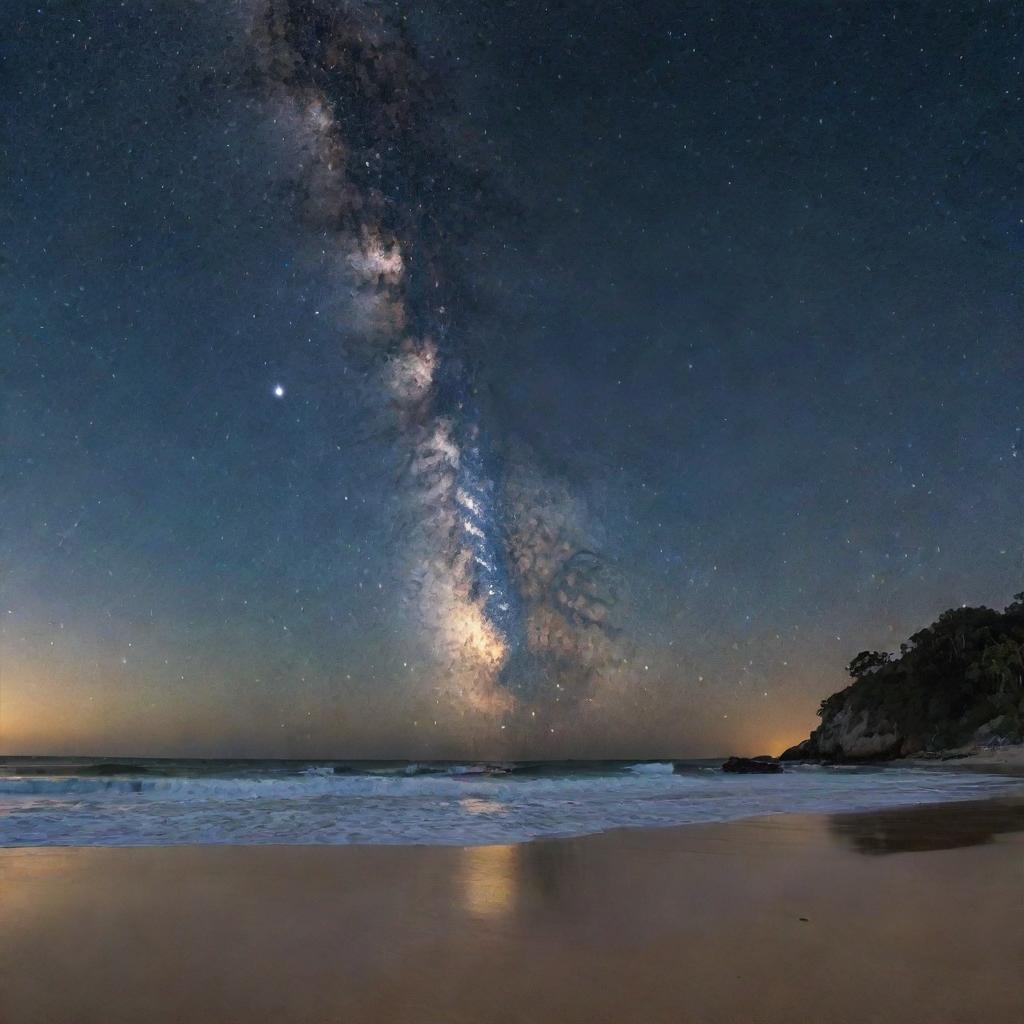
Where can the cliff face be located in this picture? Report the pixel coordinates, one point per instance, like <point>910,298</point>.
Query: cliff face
<point>960,681</point>
<point>851,735</point>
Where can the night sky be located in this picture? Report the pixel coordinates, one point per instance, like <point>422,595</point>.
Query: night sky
<point>501,378</point>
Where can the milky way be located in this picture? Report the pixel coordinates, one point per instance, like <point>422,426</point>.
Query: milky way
<point>501,570</point>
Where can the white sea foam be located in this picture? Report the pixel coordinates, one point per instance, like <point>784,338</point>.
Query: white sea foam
<point>455,805</point>
<point>652,768</point>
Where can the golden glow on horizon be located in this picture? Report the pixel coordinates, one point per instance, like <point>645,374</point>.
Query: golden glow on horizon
<point>35,712</point>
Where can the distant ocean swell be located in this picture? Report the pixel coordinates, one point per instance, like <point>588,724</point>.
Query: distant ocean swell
<point>435,804</point>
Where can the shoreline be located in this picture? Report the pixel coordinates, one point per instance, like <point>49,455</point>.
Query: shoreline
<point>647,925</point>
<point>804,798</point>
<point>1003,760</point>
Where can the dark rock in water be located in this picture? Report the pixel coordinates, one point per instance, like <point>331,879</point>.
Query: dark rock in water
<point>763,765</point>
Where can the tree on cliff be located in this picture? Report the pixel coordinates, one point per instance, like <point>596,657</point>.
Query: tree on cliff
<point>867,662</point>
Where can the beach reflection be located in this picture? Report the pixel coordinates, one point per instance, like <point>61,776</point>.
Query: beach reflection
<point>479,805</point>
<point>929,827</point>
<point>489,880</point>
<point>549,868</point>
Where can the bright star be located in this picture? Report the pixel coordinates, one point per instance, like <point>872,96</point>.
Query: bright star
<point>279,391</point>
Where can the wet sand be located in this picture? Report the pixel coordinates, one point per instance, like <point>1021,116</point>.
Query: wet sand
<point>907,916</point>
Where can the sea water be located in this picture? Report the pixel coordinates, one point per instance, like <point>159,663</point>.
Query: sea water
<point>46,802</point>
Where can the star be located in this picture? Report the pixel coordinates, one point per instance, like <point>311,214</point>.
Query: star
<point>279,391</point>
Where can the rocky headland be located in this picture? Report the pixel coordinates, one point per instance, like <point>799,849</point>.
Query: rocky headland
<point>953,689</point>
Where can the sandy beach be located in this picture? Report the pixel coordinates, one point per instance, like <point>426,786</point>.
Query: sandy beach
<point>1007,760</point>
<point>910,915</point>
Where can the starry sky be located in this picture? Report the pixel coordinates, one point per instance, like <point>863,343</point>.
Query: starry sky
<point>496,379</point>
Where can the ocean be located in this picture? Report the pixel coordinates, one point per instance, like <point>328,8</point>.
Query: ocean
<point>159,802</point>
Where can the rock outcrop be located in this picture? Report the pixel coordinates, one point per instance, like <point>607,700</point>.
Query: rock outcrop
<point>851,735</point>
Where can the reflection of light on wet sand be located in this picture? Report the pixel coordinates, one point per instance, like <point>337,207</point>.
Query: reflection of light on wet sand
<point>489,879</point>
